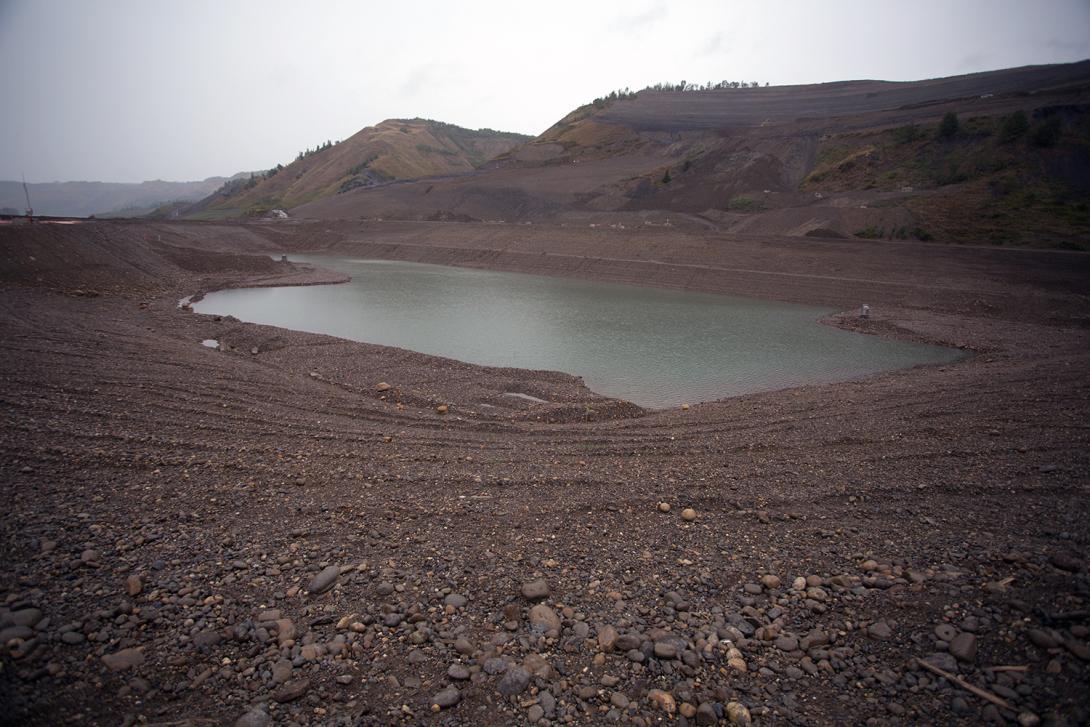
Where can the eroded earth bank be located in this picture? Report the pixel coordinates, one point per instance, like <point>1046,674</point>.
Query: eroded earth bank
<point>259,535</point>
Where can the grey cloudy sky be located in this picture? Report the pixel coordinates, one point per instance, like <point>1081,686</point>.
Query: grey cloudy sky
<point>127,90</point>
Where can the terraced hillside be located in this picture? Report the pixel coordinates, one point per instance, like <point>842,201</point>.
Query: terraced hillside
<point>838,159</point>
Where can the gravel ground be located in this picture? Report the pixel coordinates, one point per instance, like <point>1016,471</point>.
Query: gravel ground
<point>292,529</point>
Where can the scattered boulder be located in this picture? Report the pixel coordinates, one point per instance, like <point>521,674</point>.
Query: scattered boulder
<point>945,632</point>
<point>254,718</point>
<point>1042,639</point>
<point>738,714</point>
<point>514,681</point>
<point>324,580</point>
<point>124,659</point>
<point>535,590</point>
<point>665,650</point>
<point>281,671</point>
<point>963,647</point>
<point>28,617</point>
<point>446,698</point>
<point>943,660</point>
<point>705,714</point>
<point>607,638</point>
<point>292,690</point>
<point>663,700</point>
<point>206,639</point>
<point>543,619</point>
<point>879,631</point>
<point>285,631</point>
<point>786,643</point>
<point>1067,562</point>
<point>456,600</point>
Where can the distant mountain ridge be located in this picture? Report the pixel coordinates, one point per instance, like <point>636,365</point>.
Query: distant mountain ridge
<point>393,150</point>
<point>82,199</point>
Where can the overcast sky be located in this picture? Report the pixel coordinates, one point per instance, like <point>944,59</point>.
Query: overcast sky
<point>127,90</point>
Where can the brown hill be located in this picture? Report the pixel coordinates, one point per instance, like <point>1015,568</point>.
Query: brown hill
<point>836,159</point>
<point>392,150</point>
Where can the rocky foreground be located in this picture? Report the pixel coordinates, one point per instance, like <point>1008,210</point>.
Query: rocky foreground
<point>300,530</point>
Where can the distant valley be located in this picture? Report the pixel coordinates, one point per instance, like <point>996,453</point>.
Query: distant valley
<point>82,199</point>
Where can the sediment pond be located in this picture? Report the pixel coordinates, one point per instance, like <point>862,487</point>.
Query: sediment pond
<point>654,347</point>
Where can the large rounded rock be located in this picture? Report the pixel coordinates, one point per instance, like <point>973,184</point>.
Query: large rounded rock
<point>446,698</point>
<point>607,638</point>
<point>514,681</point>
<point>945,632</point>
<point>535,590</point>
<point>254,718</point>
<point>943,660</point>
<point>124,659</point>
<point>15,632</point>
<point>705,714</point>
<point>738,715</point>
<point>456,600</point>
<point>28,617</point>
<point>543,619</point>
<point>665,650</point>
<point>880,631</point>
<point>664,700</point>
<point>963,647</point>
<point>324,580</point>
<point>292,691</point>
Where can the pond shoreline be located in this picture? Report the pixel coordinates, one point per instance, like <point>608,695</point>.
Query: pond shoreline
<point>390,304</point>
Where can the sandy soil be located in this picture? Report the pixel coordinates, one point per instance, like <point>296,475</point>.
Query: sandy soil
<point>261,534</point>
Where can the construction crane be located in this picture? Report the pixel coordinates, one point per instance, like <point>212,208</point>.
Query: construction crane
<point>29,209</point>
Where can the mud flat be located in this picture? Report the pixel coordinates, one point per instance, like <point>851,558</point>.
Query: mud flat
<point>262,531</point>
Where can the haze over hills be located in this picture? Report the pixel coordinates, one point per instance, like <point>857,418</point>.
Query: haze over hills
<point>854,158</point>
<point>81,199</point>
<point>395,149</point>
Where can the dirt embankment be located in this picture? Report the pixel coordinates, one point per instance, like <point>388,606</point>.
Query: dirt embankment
<point>193,535</point>
<point>1015,285</point>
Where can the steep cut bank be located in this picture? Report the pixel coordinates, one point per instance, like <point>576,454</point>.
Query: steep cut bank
<point>856,158</point>
<point>263,531</point>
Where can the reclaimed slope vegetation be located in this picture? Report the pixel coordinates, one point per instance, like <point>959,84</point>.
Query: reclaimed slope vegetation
<point>826,160</point>
<point>992,181</point>
<point>392,150</point>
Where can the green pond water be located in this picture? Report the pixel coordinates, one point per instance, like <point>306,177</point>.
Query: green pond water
<point>656,348</point>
